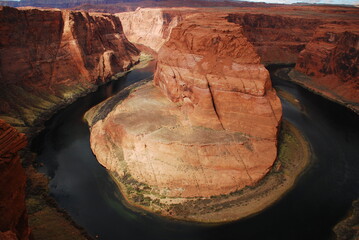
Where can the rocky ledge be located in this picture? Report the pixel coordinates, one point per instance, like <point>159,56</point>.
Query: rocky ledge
<point>207,129</point>
<point>13,220</point>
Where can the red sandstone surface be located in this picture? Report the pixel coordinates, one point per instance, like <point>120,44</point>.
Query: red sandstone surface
<point>210,125</point>
<point>13,220</point>
<point>45,48</point>
<point>331,61</point>
<point>151,27</point>
<point>48,57</point>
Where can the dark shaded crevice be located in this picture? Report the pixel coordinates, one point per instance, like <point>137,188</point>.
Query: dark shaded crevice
<point>213,103</point>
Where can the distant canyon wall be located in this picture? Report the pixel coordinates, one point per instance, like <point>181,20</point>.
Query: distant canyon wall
<point>48,57</point>
<point>330,62</point>
<point>277,39</point>
<point>150,27</point>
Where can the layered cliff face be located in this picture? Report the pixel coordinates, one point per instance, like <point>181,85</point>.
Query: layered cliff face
<point>49,57</point>
<point>150,27</point>
<point>13,220</point>
<point>277,39</point>
<point>215,76</point>
<point>208,128</point>
<point>330,60</point>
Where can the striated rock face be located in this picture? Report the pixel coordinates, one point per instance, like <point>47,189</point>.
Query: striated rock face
<point>46,57</point>
<point>54,47</point>
<point>210,69</point>
<point>207,128</point>
<point>13,220</point>
<point>276,38</point>
<point>331,61</point>
<point>150,27</point>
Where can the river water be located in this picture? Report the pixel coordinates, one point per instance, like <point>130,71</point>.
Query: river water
<point>321,197</point>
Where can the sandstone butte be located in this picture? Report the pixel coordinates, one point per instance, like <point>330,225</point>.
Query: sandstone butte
<point>50,57</point>
<point>13,220</point>
<point>207,126</point>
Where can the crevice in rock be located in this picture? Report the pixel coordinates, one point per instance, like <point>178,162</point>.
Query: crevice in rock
<point>213,102</point>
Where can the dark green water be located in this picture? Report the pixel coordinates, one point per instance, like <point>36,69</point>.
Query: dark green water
<point>322,196</point>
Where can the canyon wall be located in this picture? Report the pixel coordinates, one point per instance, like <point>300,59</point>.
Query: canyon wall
<point>150,27</point>
<point>208,126</point>
<point>13,220</point>
<point>49,57</point>
<point>321,41</point>
<point>330,63</point>
<point>277,39</point>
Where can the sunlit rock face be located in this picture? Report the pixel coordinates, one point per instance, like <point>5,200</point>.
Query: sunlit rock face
<point>50,57</point>
<point>45,48</point>
<point>214,73</point>
<point>13,220</point>
<point>150,27</point>
<point>207,127</point>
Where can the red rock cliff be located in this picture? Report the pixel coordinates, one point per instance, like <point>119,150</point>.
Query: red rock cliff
<point>276,38</point>
<point>53,47</point>
<point>150,27</point>
<point>214,73</point>
<point>49,56</point>
<point>13,220</point>
<point>331,59</point>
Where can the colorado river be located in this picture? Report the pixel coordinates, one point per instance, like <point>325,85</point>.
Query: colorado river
<point>321,197</point>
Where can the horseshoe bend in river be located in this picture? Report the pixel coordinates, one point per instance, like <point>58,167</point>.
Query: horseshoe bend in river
<point>320,198</point>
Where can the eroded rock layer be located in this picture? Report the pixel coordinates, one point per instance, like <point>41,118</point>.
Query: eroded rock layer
<point>48,57</point>
<point>150,27</point>
<point>210,69</point>
<point>207,128</point>
<point>13,220</point>
<point>276,38</point>
<point>330,61</point>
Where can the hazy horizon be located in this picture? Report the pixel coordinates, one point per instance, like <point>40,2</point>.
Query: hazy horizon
<point>349,2</point>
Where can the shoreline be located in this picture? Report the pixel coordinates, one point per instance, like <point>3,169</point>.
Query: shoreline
<point>78,91</point>
<point>247,202</point>
<point>304,82</point>
<point>46,218</point>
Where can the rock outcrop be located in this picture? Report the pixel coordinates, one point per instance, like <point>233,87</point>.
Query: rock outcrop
<point>330,63</point>
<point>210,69</point>
<point>348,228</point>
<point>208,128</point>
<point>48,57</point>
<point>13,220</point>
<point>150,27</point>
